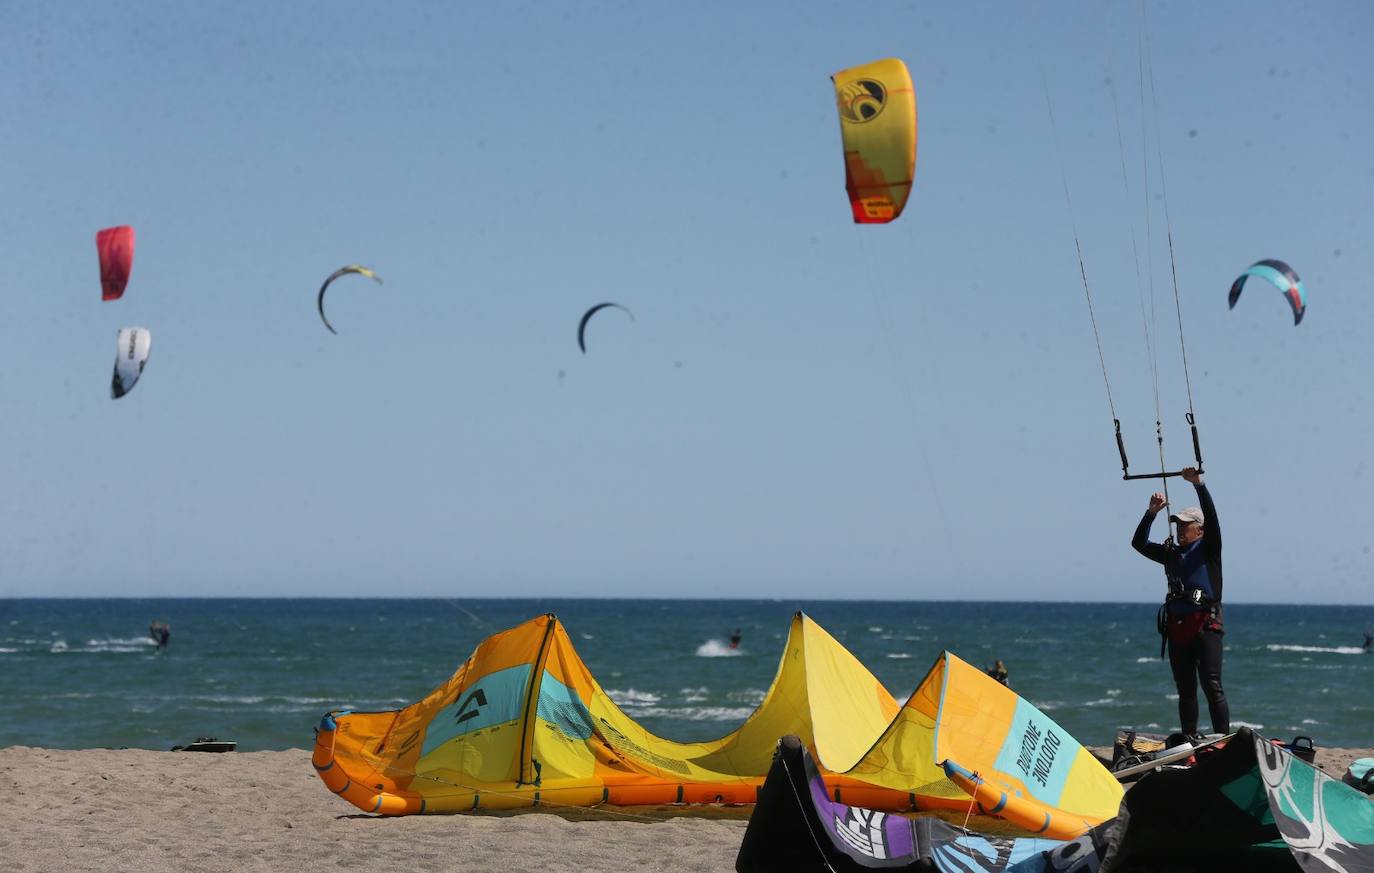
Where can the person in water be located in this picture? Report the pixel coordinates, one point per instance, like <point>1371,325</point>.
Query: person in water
<point>998,671</point>
<point>735,638</point>
<point>1368,639</point>
<point>161,633</point>
<point>1190,619</point>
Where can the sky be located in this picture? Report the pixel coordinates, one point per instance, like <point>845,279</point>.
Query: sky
<point>802,408</point>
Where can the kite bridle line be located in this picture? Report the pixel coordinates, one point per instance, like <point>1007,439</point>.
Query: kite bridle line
<point>1168,226</point>
<point>1164,473</point>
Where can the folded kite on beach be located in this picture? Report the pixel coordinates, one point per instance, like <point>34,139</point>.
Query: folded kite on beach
<point>1252,805</point>
<point>524,723</point>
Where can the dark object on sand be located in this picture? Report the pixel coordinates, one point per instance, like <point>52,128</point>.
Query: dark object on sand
<point>207,744</point>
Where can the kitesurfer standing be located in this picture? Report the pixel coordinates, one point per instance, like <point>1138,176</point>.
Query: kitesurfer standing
<point>1190,618</point>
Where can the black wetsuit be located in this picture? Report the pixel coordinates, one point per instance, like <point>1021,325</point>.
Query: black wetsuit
<point>1195,568</point>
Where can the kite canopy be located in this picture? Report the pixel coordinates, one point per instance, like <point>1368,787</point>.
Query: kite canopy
<point>1251,805</point>
<point>116,248</point>
<point>524,723</point>
<point>587,316</point>
<point>342,271</point>
<point>131,354</point>
<point>877,106</point>
<point>798,828</point>
<point>1283,277</point>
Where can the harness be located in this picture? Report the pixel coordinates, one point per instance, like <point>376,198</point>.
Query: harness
<point>1184,626</point>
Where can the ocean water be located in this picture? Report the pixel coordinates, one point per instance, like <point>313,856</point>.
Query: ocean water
<point>83,673</point>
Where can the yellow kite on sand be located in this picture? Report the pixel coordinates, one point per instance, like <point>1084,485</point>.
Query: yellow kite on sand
<point>524,723</point>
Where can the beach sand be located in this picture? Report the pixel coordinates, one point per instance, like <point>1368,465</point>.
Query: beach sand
<point>157,812</point>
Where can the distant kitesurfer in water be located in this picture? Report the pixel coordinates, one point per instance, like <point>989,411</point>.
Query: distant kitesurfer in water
<point>161,633</point>
<point>1190,619</point>
<point>1368,639</point>
<point>998,671</point>
<point>735,638</point>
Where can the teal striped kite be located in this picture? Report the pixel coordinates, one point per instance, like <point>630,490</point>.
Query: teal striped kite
<point>1283,277</point>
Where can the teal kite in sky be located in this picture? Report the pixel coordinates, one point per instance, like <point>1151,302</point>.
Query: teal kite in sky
<point>1284,277</point>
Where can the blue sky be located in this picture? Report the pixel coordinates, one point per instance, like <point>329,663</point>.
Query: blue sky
<point>803,407</point>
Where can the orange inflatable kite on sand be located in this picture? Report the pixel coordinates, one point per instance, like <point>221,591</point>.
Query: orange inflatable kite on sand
<point>523,723</point>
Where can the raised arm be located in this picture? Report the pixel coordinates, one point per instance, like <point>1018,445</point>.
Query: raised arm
<point>1209,511</point>
<point>1212,541</point>
<point>1141,541</point>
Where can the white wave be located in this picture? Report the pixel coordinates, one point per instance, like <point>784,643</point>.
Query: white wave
<point>122,641</point>
<point>7,651</point>
<point>289,707</point>
<point>698,713</point>
<point>694,695</point>
<point>229,698</point>
<point>1145,660</point>
<point>901,656</point>
<point>1113,692</point>
<point>1103,701</point>
<point>1251,725</point>
<point>875,630</point>
<point>1310,721</point>
<point>717,649</point>
<point>1171,697</point>
<point>631,697</point>
<point>102,646</point>
<point>751,696</point>
<point>1331,650</point>
<point>588,637</point>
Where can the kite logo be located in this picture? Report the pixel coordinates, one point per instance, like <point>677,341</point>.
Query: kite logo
<point>1045,762</point>
<point>862,830</point>
<point>861,100</point>
<point>1030,742</point>
<point>1038,751</point>
<point>462,715</point>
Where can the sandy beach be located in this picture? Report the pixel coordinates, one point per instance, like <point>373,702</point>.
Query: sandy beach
<point>103,810</point>
<point>99,810</point>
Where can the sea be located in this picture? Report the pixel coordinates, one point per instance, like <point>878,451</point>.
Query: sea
<point>83,673</point>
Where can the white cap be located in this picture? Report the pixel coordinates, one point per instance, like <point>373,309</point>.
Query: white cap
<point>1191,515</point>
